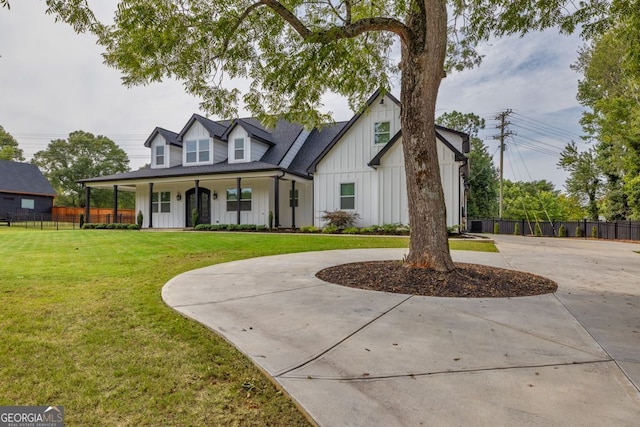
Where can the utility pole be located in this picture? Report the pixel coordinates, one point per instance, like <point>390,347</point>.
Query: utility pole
<point>504,132</point>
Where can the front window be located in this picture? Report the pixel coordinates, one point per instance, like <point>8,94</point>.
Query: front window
<point>348,196</point>
<point>381,132</point>
<point>197,151</point>
<point>161,202</point>
<point>159,155</point>
<point>238,149</point>
<point>232,199</point>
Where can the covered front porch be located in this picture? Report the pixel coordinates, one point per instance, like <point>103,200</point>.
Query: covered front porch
<point>270,198</point>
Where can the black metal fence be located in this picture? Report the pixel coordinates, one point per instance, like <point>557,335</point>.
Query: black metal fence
<point>59,222</point>
<point>614,230</point>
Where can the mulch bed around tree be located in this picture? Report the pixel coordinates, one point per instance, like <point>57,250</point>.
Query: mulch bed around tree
<point>466,281</point>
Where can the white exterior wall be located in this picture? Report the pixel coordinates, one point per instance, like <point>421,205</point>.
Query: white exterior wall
<point>175,156</point>
<point>220,151</point>
<point>295,148</point>
<point>304,213</point>
<point>347,162</point>
<point>257,150</point>
<point>380,194</point>
<point>260,202</point>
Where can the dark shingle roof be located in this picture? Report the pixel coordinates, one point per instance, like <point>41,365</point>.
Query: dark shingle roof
<point>177,171</point>
<point>215,129</point>
<point>170,137</point>
<point>316,144</point>
<point>23,178</point>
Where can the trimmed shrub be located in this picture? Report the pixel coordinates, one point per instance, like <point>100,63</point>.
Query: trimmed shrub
<point>133,227</point>
<point>516,229</point>
<point>594,231</point>
<point>578,231</point>
<point>562,232</point>
<point>496,228</point>
<point>350,230</point>
<point>341,219</point>
<point>139,219</point>
<point>309,229</point>
<point>330,229</point>
<point>270,220</point>
<point>81,221</point>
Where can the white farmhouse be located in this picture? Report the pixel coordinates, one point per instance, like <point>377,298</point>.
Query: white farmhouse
<point>239,172</point>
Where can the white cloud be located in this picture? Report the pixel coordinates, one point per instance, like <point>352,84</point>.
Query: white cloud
<point>53,82</point>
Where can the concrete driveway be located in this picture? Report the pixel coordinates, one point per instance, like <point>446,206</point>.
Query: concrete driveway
<point>351,357</point>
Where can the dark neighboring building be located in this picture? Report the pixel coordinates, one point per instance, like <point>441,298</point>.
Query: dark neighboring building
<point>23,190</point>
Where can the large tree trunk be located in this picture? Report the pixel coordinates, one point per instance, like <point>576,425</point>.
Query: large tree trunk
<point>422,67</point>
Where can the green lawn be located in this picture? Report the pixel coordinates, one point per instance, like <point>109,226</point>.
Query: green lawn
<point>82,325</point>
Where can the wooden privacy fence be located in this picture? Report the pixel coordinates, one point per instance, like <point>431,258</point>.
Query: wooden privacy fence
<point>612,230</point>
<point>96,215</point>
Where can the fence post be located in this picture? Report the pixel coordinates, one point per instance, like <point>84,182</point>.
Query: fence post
<point>522,228</point>
<point>615,230</point>
<point>584,233</point>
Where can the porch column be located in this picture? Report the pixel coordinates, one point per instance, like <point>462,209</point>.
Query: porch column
<point>87,204</point>
<point>276,195</point>
<point>293,203</point>
<point>197,194</point>
<point>115,204</point>
<point>151,205</point>
<point>238,195</point>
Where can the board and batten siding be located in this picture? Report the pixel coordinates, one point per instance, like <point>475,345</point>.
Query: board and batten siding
<point>197,132</point>
<point>304,213</point>
<point>380,194</point>
<point>347,162</point>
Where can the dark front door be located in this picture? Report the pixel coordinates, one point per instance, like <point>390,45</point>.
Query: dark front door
<point>204,215</point>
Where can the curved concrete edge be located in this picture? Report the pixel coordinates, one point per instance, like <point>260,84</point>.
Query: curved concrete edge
<point>324,344</point>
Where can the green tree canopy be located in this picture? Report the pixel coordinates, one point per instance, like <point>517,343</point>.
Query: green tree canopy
<point>538,201</point>
<point>9,149</point>
<point>293,51</point>
<point>610,88</point>
<point>584,181</point>
<point>483,177</point>
<point>65,161</point>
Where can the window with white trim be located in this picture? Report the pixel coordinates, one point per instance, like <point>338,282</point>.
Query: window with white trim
<point>232,199</point>
<point>161,202</point>
<point>238,149</point>
<point>381,132</point>
<point>348,196</point>
<point>197,151</point>
<point>159,155</point>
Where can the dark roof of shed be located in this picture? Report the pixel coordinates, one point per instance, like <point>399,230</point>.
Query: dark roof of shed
<point>24,178</point>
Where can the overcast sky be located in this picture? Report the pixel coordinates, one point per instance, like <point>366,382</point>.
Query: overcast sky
<point>53,82</point>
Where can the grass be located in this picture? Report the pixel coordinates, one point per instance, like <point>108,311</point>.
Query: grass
<point>82,325</point>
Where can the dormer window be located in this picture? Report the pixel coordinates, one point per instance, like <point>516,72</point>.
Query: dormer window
<point>159,155</point>
<point>238,149</point>
<point>381,132</point>
<point>197,151</point>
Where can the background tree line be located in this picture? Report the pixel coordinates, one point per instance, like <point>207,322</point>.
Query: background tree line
<point>65,161</point>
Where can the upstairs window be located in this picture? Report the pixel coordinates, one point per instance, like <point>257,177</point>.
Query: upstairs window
<point>348,196</point>
<point>197,151</point>
<point>238,149</point>
<point>232,199</point>
<point>159,155</point>
<point>161,202</point>
<point>381,132</point>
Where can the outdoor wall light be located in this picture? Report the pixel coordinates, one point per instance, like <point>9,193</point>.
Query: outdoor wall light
<point>178,196</point>
<point>215,195</point>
